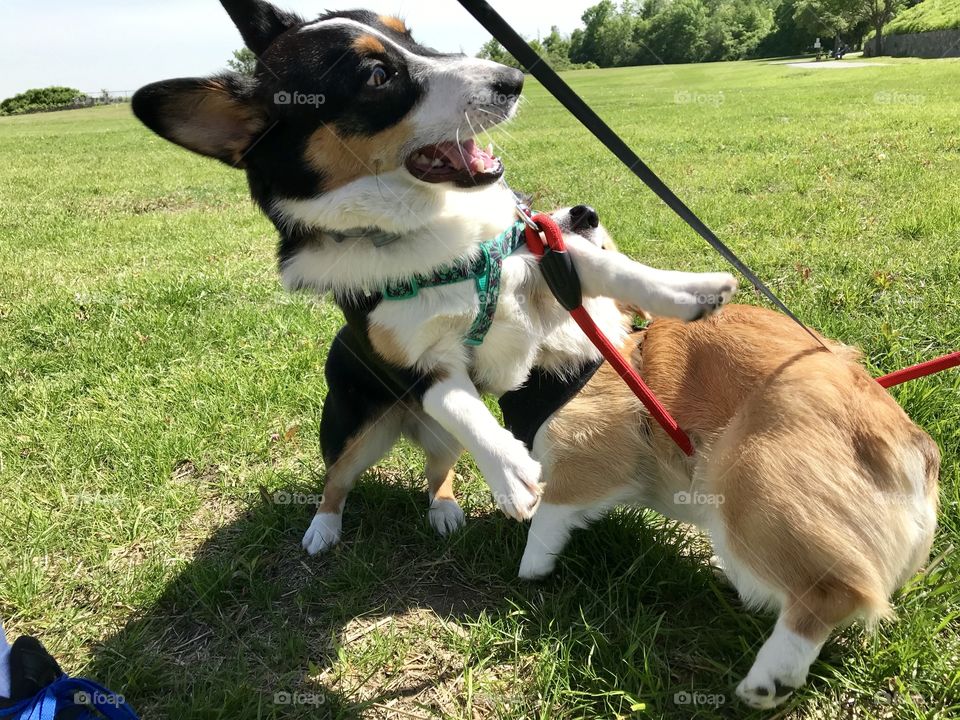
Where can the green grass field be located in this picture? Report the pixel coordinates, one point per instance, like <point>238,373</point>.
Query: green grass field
<point>927,16</point>
<point>157,389</point>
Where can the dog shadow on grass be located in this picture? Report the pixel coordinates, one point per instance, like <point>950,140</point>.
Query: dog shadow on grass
<point>391,623</point>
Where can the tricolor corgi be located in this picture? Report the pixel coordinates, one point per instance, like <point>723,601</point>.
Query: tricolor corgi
<point>361,146</point>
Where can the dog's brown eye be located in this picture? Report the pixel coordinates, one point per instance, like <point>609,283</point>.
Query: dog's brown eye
<point>378,76</point>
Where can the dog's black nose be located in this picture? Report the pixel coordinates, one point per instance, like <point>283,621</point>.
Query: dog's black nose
<point>507,85</point>
<point>583,217</point>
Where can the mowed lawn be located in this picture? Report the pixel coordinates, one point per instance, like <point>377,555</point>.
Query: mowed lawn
<point>160,399</point>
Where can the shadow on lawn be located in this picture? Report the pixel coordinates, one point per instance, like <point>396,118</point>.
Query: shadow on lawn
<point>248,629</point>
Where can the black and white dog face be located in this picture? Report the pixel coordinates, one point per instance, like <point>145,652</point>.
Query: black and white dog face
<point>336,103</point>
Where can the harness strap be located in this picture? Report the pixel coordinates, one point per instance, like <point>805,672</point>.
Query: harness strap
<point>485,270</point>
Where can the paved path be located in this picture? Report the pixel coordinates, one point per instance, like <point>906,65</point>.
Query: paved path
<point>832,65</point>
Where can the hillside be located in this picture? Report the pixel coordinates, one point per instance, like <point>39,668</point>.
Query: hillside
<point>925,17</point>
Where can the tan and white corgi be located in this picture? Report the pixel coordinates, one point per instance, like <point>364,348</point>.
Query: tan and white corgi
<point>818,492</point>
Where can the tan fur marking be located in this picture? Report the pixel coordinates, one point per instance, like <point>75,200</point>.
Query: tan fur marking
<point>395,24</point>
<point>368,45</point>
<point>338,484</point>
<point>385,342</point>
<point>440,481</point>
<point>342,159</point>
<point>814,612</point>
<point>875,454</point>
<point>594,444</point>
<point>215,123</point>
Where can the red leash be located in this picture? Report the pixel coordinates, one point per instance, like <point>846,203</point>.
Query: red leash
<point>922,370</point>
<point>557,268</point>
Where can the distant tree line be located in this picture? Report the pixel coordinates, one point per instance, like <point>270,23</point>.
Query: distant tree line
<point>646,32</point>
<point>54,98</point>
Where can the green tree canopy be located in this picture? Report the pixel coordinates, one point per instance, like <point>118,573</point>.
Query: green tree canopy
<point>40,100</point>
<point>637,32</point>
<point>243,62</point>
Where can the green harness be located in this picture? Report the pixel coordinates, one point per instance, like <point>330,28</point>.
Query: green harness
<point>485,271</point>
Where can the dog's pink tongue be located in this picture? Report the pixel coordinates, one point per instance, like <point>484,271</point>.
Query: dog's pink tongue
<point>467,156</point>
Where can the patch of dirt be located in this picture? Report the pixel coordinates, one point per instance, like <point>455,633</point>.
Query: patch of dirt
<point>424,675</point>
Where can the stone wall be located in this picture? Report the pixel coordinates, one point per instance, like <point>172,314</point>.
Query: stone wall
<point>937,44</point>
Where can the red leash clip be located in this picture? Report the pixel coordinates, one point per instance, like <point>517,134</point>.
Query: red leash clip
<point>561,276</point>
<point>555,262</point>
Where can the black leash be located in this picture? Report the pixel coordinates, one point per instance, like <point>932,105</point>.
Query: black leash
<point>541,70</point>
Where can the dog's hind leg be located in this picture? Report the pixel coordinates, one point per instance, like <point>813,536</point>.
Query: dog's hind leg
<point>442,451</point>
<point>804,626</point>
<point>353,442</point>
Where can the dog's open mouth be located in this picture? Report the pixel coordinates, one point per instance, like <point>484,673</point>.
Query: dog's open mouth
<point>465,164</point>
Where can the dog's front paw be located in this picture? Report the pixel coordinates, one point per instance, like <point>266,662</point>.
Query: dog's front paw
<point>323,533</point>
<point>516,482</point>
<point>446,516</point>
<point>707,293</point>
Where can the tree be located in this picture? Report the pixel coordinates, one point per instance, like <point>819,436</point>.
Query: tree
<point>879,13</point>
<point>609,36</point>
<point>589,43</point>
<point>736,28</point>
<point>678,34</point>
<point>243,62</point>
<point>832,17</point>
<point>822,18</point>
<point>788,37</point>
<point>41,100</point>
<point>493,50</point>
<point>556,44</point>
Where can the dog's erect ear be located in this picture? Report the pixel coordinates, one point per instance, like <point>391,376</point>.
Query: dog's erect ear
<point>214,116</point>
<point>259,22</point>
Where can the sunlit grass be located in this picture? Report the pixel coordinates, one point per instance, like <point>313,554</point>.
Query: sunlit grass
<point>157,388</point>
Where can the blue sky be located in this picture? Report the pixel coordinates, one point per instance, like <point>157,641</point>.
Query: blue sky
<point>123,44</point>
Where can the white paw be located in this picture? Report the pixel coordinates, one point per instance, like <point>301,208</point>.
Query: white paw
<point>769,684</point>
<point>323,533</point>
<point>764,695</point>
<point>516,482</point>
<point>706,294</point>
<point>446,516</point>
<point>781,667</point>
<point>536,564</point>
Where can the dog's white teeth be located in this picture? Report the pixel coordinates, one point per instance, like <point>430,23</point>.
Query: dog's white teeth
<point>490,149</point>
<point>423,160</point>
<point>437,162</point>
<point>478,165</point>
